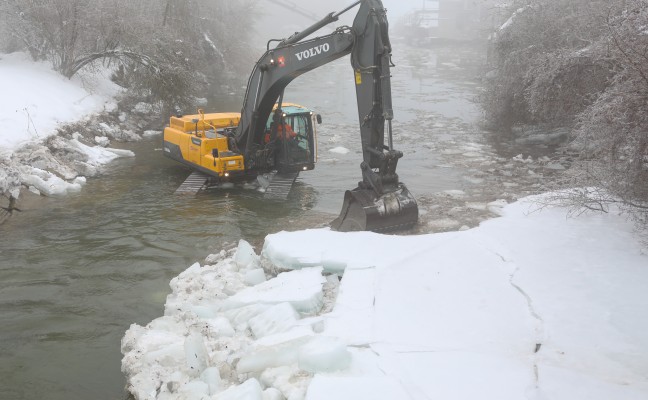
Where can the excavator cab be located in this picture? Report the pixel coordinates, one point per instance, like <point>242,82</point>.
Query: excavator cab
<point>291,134</point>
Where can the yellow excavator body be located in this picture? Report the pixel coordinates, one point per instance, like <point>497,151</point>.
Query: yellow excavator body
<point>199,141</point>
<point>205,142</point>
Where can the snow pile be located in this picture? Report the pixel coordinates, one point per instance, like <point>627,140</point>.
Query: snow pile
<point>527,306</point>
<point>229,332</point>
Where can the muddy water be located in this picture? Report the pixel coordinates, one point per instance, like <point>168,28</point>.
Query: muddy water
<point>75,272</point>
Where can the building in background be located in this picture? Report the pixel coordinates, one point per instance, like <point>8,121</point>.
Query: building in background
<point>448,20</point>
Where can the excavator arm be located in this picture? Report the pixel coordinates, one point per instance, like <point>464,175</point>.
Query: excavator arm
<point>273,72</point>
<point>380,202</point>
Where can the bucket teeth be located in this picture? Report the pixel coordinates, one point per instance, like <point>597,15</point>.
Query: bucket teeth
<point>362,210</point>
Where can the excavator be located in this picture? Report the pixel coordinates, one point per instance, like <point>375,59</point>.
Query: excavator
<point>270,136</point>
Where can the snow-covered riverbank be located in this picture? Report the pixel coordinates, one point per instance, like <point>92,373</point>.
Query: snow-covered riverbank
<point>36,104</point>
<point>532,305</point>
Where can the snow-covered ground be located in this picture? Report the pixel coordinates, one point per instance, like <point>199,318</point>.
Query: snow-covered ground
<point>35,102</point>
<point>37,99</point>
<point>531,305</point>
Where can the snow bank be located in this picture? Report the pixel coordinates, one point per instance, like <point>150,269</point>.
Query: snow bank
<point>36,99</point>
<point>529,305</point>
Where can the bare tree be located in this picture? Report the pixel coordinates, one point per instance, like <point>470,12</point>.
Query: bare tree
<point>581,64</point>
<point>541,68</point>
<point>613,132</point>
<point>166,49</point>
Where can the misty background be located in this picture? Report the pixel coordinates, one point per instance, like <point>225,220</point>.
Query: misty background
<point>276,20</point>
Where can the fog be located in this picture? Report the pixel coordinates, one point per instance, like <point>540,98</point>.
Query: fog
<point>279,19</point>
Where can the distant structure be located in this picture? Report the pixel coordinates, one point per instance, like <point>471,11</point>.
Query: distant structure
<point>449,20</point>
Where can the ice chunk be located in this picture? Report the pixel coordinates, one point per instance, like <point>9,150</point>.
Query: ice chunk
<point>272,394</point>
<point>455,193</point>
<point>248,390</point>
<point>150,134</point>
<point>202,311</point>
<point>168,356</point>
<point>147,338</point>
<point>168,388</point>
<point>211,376</point>
<point>196,353</point>
<point>239,317</point>
<point>245,256</point>
<point>254,277</point>
<point>143,386</point>
<point>102,141</point>
<point>221,326</point>
<point>339,150</point>
<point>289,380</point>
<point>276,319</point>
<point>354,312</point>
<point>166,323</point>
<point>120,152</point>
<point>301,288</point>
<point>324,354</point>
<point>195,389</point>
<point>47,183</point>
<point>274,351</point>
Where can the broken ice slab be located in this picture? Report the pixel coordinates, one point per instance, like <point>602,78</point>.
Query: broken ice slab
<point>254,277</point>
<point>301,288</point>
<point>245,257</point>
<point>196,353</point>
<point>336,252</point>
<point>276,319</point>
<point>324,354</point>
<point>352,318</point>
<point>239,317</point>
<point>248,390</point>
<point>211,376</point>
<point>275,350</point>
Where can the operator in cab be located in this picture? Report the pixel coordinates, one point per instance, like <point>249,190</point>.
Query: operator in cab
<point>284,130</point>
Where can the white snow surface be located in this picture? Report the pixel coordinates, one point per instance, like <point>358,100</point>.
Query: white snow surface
<point>36,99</point>
<point>531,305</point>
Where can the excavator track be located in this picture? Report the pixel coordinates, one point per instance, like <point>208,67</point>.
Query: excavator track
<point>193,184</point>
<point>280,186</point>
<point>363,210</point>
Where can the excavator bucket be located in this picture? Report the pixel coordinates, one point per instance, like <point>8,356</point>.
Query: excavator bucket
<point>362,210</point>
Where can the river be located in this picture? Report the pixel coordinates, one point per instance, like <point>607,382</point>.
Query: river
<point>76,271</point>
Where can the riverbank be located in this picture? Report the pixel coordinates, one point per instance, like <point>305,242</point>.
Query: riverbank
<point>58,132</point>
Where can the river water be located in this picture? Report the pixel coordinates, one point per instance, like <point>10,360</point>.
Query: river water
<point>76,271</point>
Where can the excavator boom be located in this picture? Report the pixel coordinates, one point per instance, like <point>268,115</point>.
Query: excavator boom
<point>380,202</point>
